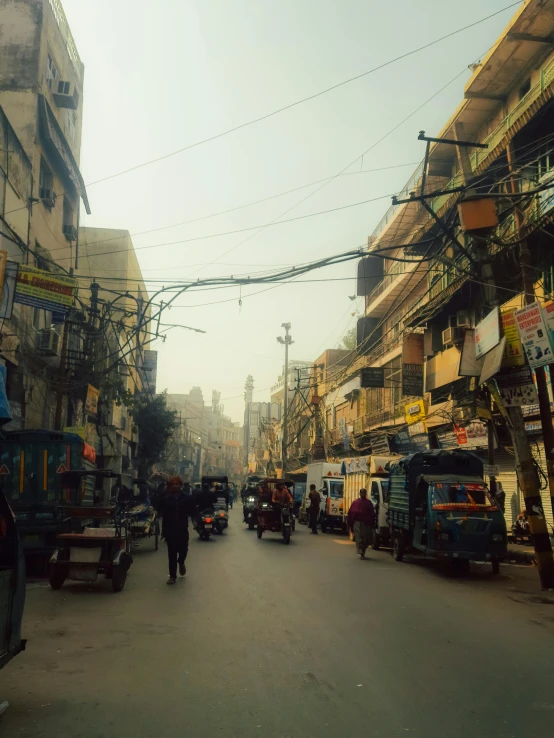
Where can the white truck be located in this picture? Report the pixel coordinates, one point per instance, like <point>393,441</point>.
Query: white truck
<point>329,482</point>
<point>373,476</point>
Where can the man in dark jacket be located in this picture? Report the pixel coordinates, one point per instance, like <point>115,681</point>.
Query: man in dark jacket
<point>313,509</point>
<point>174,509</point>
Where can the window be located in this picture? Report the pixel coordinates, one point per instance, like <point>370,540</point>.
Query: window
<point>70,125</point>
<point>375,493</point>
<point>52,74</point>
<point>524,89</point>
<point>68,216</point>
<point>46,182</point>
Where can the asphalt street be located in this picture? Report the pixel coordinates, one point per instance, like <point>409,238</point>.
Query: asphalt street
<point>261,639</point>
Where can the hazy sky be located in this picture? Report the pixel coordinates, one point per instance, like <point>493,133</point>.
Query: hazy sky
<point>160,76</point>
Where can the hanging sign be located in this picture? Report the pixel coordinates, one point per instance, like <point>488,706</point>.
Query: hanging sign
<point>412,380</point>
<point>43,290</point>
<point>491,470</point>
<point>492,361</point>
<point>372,376</point>
<point>91,404</point>
<point>487,333</point>
<point>472,435</point>
<point>513,353</point>
<point>534,335</point>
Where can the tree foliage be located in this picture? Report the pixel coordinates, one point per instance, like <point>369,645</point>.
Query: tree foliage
<point>350,339</point>
<point>156,423</point>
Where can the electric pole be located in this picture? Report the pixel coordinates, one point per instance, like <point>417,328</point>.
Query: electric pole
<point>287,340</point>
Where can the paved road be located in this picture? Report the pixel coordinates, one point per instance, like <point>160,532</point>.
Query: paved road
<point>260,639</point>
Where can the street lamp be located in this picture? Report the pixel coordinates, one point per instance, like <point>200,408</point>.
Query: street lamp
<point>287,340</point>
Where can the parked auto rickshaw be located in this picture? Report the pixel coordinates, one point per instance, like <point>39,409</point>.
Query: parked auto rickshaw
<point>272,516</point>
<point>12,585</point>
<point>92,541</point>
<point>143,517</point>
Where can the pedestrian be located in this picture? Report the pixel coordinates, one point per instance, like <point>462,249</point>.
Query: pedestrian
<point>174,509</point>
<point>500,496</point>
<point>313,509</point>
<point>361,519</point>
<point>281,495</point>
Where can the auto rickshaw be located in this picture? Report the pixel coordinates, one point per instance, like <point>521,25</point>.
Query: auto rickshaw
<point>92,540</point>
<point>271,516</point>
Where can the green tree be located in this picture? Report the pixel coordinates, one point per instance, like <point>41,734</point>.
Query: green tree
<point>350,340</point>
<point>156,423</point>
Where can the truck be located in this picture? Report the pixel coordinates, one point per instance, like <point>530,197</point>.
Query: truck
<point>439,506</point>
<point>329,482</point>
<point>372,474</point>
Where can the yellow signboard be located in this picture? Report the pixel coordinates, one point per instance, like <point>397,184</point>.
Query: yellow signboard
<point>513,353</point>
<point>91,404</point>
<point>415,412</point>
<point>43,290</point>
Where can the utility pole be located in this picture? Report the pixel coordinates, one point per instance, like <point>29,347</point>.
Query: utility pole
<point>287,340</point>
<point>318,450</point>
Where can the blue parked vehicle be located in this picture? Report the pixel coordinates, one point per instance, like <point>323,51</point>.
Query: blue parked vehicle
<point>12,585</point>
<point>439,506</point>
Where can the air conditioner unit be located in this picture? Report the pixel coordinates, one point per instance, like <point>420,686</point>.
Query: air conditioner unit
<point>48,343</point>
<point>66,95</point>
<point>47,196</point>
<point>463,319</point>
<point>70,232</point>
<point>453,336</point>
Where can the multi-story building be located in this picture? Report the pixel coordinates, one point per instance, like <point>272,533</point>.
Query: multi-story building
<point>41,94</point>
<point>422,311</point>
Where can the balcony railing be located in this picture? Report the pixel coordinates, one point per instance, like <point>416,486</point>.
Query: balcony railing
<point>61,20</point>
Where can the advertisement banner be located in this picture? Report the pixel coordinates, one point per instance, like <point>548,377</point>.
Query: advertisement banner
<point>78,430</point>
<point>534,335</point>
<point>472,435</point>
<point>91,404</point>
<point>487,333</point>
<point>492,361</point>
<point>516,387</point>
<point>43,290</point>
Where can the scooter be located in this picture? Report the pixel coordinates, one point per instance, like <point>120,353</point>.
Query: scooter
<point>221,520</point>
<point>205,524</point>
<point>250,512</point>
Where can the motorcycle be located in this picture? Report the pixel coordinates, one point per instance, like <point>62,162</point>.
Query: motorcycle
<point>221,520</point>
<point>205,524</point>
<point>250,512</point>
<point>287,523</point>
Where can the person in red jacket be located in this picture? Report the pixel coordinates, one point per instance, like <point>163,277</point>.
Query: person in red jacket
<point>361,519</point>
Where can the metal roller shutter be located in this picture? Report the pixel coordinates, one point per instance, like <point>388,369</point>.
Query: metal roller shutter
<point>508,478</point>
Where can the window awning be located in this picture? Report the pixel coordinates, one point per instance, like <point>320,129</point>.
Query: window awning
<point>59,149</point>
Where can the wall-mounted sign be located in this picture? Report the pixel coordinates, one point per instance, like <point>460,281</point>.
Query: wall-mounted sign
<point>43,290</point>
<point>412,380</point>
<point>534,335</point>
<point>492,361</point>
<point>472,435</point>
<point>372,376</point>
<point>415,412</point>
<point>487,333</point>
<point>380,444</point>
<point>491,470</point>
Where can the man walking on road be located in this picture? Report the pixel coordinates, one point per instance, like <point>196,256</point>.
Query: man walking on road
<point>361,519</point>
<point>313,509</point>
<point>174,509</point>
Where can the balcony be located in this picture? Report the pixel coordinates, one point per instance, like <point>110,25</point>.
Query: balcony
<point>390,288</point>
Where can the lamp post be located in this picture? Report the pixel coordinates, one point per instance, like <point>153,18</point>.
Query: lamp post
<point>287,340</point>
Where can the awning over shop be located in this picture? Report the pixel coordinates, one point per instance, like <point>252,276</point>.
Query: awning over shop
<point>59,149</point>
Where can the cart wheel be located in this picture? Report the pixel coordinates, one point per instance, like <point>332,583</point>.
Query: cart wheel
<point>57,576</point>
<point>119,577</point>
<point>260,531</point>
<point>286,536</point>
<point>156,534</point>
<point>375,541</point>
<point>496,567</point>
<point>251,526</point>
<point>398,548</point>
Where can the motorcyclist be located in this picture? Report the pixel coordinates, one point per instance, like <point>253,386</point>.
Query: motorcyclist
<point>206,499</point>
<point>246,493</point>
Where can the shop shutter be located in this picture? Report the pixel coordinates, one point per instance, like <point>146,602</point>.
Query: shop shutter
<point>508,478</point>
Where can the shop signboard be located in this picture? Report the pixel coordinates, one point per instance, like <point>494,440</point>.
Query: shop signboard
<point>380,444</point>
<point>372,377</point>
<point>534,335</point>
<point>487,333</point>
<point>412,380</point>
<point>513,353</point>
<point>91,404</point>
<point>472,435</point>
<point>415,412</point>
<point>44,290</point>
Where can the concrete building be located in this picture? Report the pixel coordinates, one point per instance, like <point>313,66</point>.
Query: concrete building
<point>41,95</point>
